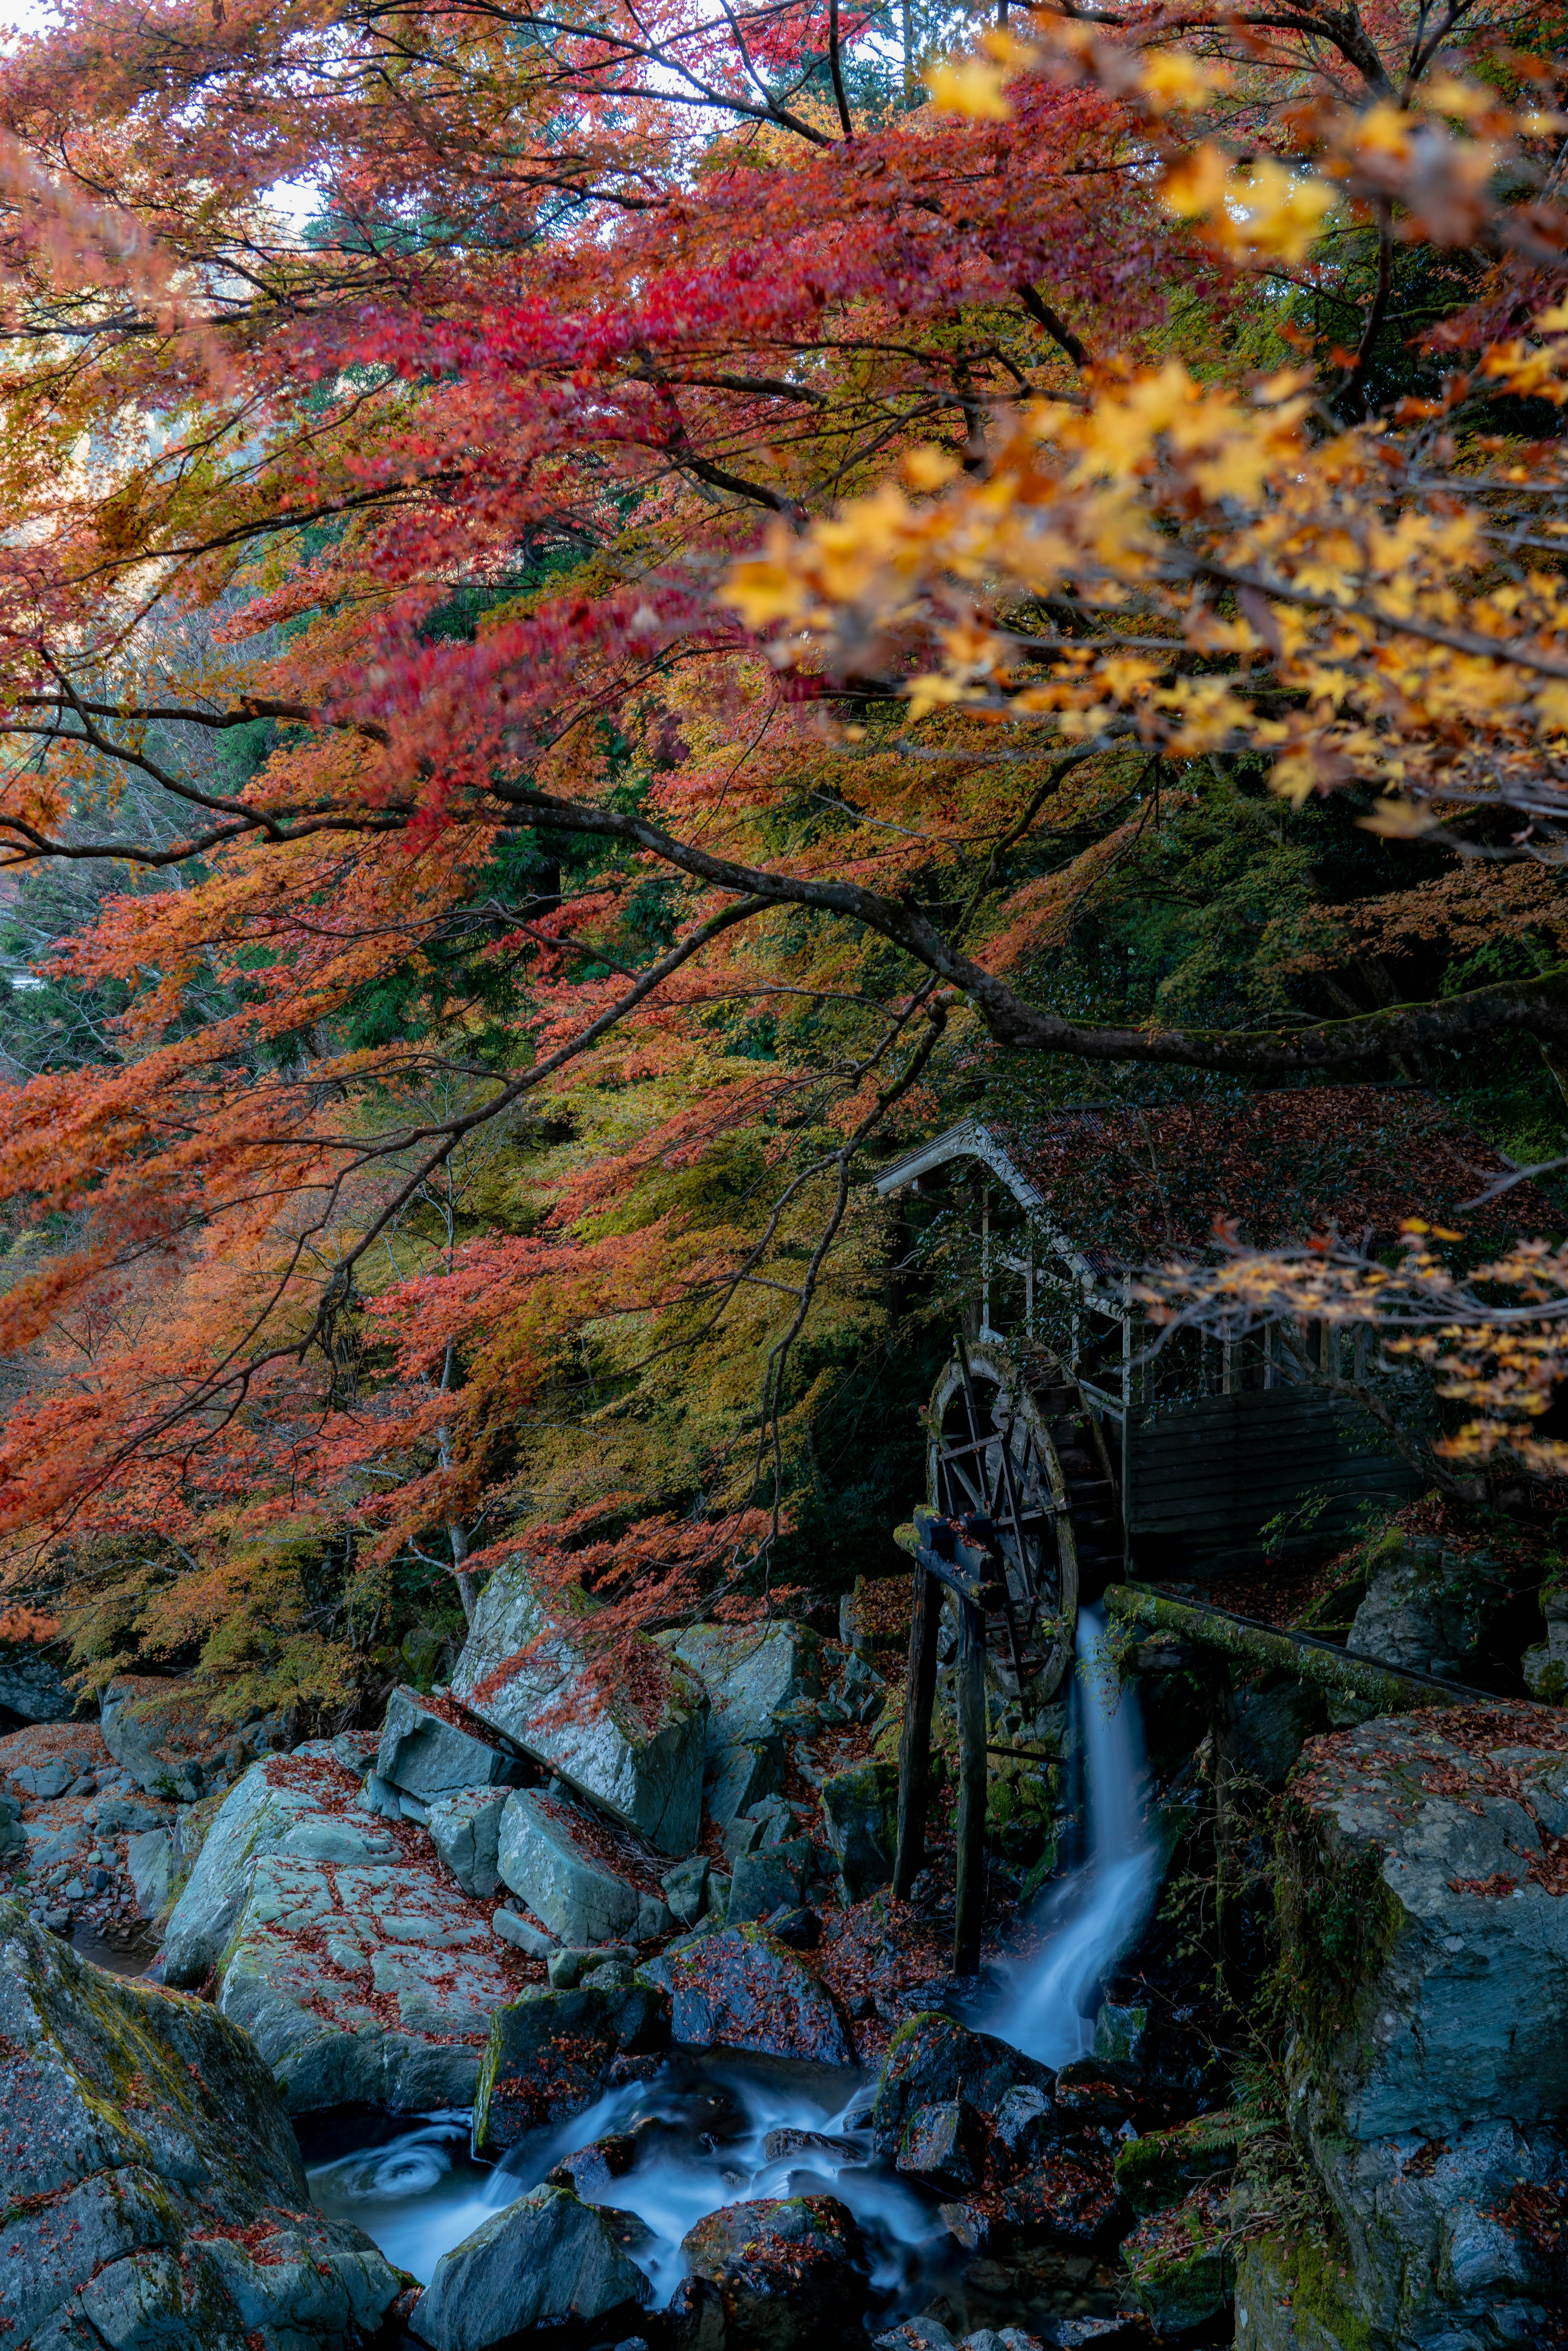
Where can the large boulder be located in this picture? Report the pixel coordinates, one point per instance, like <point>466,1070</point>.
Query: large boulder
<point>751,1674</point>
<point>585,1887</point>
<point>934,2060</point>
<point>742,1988</point>
<point>280,1805</point>
<point>427,1750</point>
<point>538,2263</point>
<point>548,2053</point>
<point>160,1734</point>
<point>362,1973</point>
<point>33,1684</point>
<point>860,1813</point>
<point>524,1672</point>
<point>153,2192</point>
<point>785,2273</point>
<point>1424,1941</point>
<point>1428,1609</point>
<point>1428,1938</point>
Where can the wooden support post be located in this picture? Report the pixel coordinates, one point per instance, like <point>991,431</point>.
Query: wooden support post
<point>969,1890</point>
<point>915,1745</point>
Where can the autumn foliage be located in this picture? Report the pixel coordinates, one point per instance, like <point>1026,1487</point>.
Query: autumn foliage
<point>612,598</point>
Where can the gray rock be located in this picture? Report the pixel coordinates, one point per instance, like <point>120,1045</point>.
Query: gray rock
<point>773,1878</point>
<point>1411,1891</point>
<point>150,1858</point>
<point>465,1830</point>
<point>742,1774</point>
<point>1428,2064</point>
<point>547,1858</point>
<point>324,1936</point>
<point>1270,1729</point>
<point>356,1750</point>
<point>944,2143</point>
<point>158,1735</point>
<point>860,1813</point>
<point>646,1775</point>
<point>320,1951</point>
<point>915,2335</point>
<point>1425,1609</point>
<point>1119,2034</point>
<point>153,2190</point>
<point>1022,2129</point>
<point>686,1888</point>
<point>541,2260</point>
<point>751,1672</point>
<point>567,1968</point>
<point>422,1754</point>
<point>256,1818</point>
<point>117,1815</point>
<point>789,2272</point>
<point>546,2054</point>
<point>45,1780</point>
<point>522,1934</point>
<point>33,1684</point>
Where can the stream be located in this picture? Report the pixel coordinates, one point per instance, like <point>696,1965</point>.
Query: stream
<point>715,2128</point>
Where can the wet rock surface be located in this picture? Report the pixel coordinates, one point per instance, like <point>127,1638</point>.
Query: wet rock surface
<point>582,1884</point>
<point>548,2056</point>
<point>543,2260</point>
<point>742,1988</point>
<point>784,2273</point>
<point>154,2193</point>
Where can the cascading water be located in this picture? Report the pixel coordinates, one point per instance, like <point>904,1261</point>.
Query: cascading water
<point>708,2132</point>
<point>1048,2008</point>
<point>711,2129</point>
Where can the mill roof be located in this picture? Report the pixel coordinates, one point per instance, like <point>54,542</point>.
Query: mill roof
<point>1114,1187</point>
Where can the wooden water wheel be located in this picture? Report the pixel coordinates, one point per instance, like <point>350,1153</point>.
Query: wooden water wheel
<point>1022,1516</point>
<point>1013,1444</point>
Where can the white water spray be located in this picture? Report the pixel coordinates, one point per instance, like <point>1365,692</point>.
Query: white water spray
<point>1093,1917</point>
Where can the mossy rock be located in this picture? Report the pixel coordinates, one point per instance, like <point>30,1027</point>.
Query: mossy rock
<point>1292,2295</point>
<point>1181,2263</point>
<point>1155,2170</point>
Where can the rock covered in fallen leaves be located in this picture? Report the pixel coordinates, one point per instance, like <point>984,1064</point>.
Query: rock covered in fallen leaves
<point>1426,1932</point>
<point>742,1988</point>
<point>1182,2261</point>
<point>429,1749</point>
<point>547,2056</point>
<point>585,1885</point>
<point>543,2260</point>
<point>361,1971</point>
<point>1069,2195</point>
<point>787,2271</point>
<point>522,1672</point>
<point>153,2188</point>
<point>933,2059</point>
<point>945,2145</point>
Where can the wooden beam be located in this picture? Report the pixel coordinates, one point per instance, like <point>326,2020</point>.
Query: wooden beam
<point>915,1744</point>
<point>1389,1689</point>
<point>969,1887</point>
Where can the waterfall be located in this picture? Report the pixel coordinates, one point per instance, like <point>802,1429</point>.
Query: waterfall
<point>1048,2008</point>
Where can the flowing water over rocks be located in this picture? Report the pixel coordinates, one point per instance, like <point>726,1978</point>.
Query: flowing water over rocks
<point>703,2132</point>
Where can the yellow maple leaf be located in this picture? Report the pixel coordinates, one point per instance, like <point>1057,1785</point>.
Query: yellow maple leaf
<point>1196,184</point>
<point>1171,78</point>
<point>972,88</point>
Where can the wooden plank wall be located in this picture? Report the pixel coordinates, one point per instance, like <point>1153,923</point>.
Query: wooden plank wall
<point>1204,1478</point>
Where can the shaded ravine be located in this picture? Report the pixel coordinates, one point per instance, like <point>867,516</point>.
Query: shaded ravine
<point>706,2127</point>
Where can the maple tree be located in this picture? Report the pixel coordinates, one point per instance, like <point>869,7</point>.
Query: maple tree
<point>607,665</point>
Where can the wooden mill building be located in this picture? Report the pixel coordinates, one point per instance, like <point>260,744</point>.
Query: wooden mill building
<point>1196,1455</point>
